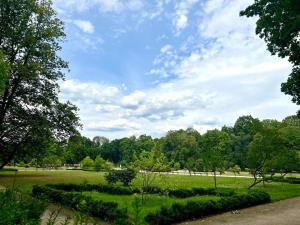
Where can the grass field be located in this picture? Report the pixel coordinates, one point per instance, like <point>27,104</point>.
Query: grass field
<point>24,180</point>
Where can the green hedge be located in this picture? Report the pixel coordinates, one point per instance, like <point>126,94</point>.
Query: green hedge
<point>290,180</point>
<point>114,190</point>
<point>107,211</point>
<point>185,193</point>
<point>117,190</point>
<point>191,210</point>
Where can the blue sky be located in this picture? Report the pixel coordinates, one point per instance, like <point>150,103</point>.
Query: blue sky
<point>140,66</point>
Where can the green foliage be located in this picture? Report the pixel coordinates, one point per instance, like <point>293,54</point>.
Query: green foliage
<point>270,152</point>
<point>15,209</point>
<point>241,134</point>
<point>30,111</point>
<point>192,210</point>
<point>215,144</point>
<point>87,163</point>
<point>100,164</point>
<point>4,72</point>
<point>279,25</point>
<point>124,176</point>
<point>181,145</point>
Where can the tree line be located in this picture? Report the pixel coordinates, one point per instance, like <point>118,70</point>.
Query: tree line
<point>261,147</point>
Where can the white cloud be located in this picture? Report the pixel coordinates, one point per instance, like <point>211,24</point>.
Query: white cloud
<point>225,72</point>
<point>181,14</point>
<point>85,25</point>
<point>181,22</point>
<point>102,5</point>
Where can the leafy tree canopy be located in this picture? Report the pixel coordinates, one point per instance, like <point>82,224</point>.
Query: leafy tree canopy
<point>30,111</point>
<point>279,25</point>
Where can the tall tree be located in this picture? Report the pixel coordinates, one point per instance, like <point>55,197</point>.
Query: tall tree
<point>30,111</point>
<point>180,145</point>
<point>279,25</point>
<point>214,144</point>
<point>241,134</point>
<point>100,140</point>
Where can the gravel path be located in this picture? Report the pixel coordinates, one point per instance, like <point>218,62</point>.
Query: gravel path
<point>285,212</point>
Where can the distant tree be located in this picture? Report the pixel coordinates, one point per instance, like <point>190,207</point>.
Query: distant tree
<point>78,147</point>
<point>241,134</point>
<point>30,111</point>
<point>148,164</point>
<point>293,121</point>
<point>180,145</point>
<point>214,144</point>
<point>100,164</point>
<point>236,169</point>
<point>52,161</point>
<point>128,149</point>
<point>87,163</point>
<point>111,151</point>
<point>279,25</point>
<point>271,151</point>
<point>99,140</point>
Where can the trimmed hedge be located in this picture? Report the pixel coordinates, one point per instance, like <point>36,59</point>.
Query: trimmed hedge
<point>290,180</point>
<point>117,190</point>
<point>107,211</point>
<point>191,210</point>
<point>185,193</point>
<point>114,190</point>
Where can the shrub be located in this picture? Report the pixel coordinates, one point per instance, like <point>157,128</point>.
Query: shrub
<point>124,176</point>
<point>15,209</point>
<point>192,210</point>
<point>100,164</point>
<point>87,163</point>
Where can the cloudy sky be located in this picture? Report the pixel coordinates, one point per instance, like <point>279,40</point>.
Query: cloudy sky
<point>149,66</point>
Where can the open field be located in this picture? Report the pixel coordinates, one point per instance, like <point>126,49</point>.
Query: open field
<point>24,180</point>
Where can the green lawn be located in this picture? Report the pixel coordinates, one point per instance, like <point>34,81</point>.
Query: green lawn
<point>152,203</point>
<point>24,180</point>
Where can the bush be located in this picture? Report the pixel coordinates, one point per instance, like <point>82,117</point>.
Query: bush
<point>14,209</point>
<point>192,210</point>
<point>124,176</point>
<point>108,211</point>
<point>87,163</point>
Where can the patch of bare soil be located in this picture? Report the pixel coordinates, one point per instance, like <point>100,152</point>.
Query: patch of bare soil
<point>285,212</point>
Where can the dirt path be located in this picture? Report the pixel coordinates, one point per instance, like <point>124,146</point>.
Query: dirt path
<point>286,212</point>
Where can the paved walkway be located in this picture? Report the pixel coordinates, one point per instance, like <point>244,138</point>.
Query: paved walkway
<point>286,212</point>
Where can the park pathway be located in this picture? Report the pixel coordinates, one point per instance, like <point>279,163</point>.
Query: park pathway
<point>285,212</point>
